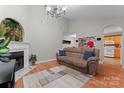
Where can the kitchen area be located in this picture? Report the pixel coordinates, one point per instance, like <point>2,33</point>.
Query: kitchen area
<point>112,47</point>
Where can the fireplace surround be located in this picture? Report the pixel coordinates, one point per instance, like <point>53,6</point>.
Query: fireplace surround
<point>19,59</point>
<point>17,47</point>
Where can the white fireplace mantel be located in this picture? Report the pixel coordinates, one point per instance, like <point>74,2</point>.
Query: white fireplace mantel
<point>21,46</point>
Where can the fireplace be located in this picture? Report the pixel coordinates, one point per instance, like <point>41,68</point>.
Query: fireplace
<point>19,58</point>
<point>17,47</point>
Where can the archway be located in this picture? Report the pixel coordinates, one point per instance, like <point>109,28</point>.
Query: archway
<point>112,44</point>
<point>9,24</point>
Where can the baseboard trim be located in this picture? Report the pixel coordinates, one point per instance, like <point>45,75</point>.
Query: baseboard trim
<point>44,61</point>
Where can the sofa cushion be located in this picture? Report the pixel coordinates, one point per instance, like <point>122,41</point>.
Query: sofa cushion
<point>71,54</point>
<point>68,54</point>
<point>73,61</point>
<point>88,54</point>
<point>62,58</point>
<point>65,59</point>
<point>79,62</point>
<point>74,50</point>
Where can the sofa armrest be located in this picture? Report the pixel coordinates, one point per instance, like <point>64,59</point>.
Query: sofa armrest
<point>57,54</point>
<point>92,59</point>
<point>92,65</point>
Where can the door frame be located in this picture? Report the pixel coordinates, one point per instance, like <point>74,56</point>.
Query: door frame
<point>115,33</point>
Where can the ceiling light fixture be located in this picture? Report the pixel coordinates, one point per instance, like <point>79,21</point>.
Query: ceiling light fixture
<point>55,10</point>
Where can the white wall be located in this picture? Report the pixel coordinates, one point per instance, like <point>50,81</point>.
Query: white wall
<point>90,27</point>
<point>44,33</point>
<point>112,29</point>
<point>19,13</point>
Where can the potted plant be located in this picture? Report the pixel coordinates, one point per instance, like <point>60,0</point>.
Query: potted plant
<point>33,59</point>
<point>7,33</point>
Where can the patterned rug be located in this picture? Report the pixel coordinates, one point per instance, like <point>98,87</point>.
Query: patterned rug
<point>56,77</point>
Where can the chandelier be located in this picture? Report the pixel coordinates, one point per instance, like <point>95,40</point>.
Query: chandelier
<point>55,10</point>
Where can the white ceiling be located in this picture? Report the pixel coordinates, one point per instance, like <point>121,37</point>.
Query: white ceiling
<point>94,11</point>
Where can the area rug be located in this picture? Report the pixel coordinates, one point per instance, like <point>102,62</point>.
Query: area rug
<point>56,77</point>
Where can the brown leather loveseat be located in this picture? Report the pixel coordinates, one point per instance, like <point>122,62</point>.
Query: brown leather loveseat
<point>74,59</point>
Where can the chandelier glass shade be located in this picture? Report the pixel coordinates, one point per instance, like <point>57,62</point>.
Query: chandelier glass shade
<point>55,10</point>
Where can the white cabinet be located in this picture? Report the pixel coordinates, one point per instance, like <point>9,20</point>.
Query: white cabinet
<point>109,51</point>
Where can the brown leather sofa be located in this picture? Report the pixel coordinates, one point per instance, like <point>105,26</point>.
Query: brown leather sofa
<point>74,59</point>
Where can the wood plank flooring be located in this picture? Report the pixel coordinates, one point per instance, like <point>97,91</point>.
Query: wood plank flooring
<point>109,75</point>
<point>112,61</point>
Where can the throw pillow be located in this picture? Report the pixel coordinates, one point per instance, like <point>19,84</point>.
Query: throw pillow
<point>88,54</point>
<point>61,53</point>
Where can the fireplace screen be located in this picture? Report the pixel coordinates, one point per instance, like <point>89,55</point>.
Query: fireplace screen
<point>19,58</point>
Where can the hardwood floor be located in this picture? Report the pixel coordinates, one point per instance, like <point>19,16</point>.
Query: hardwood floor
<point>108,76</point>
<point>112,61</point>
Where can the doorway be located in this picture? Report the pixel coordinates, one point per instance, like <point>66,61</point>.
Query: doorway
<point>112,45</point>
<point>112,49</point>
